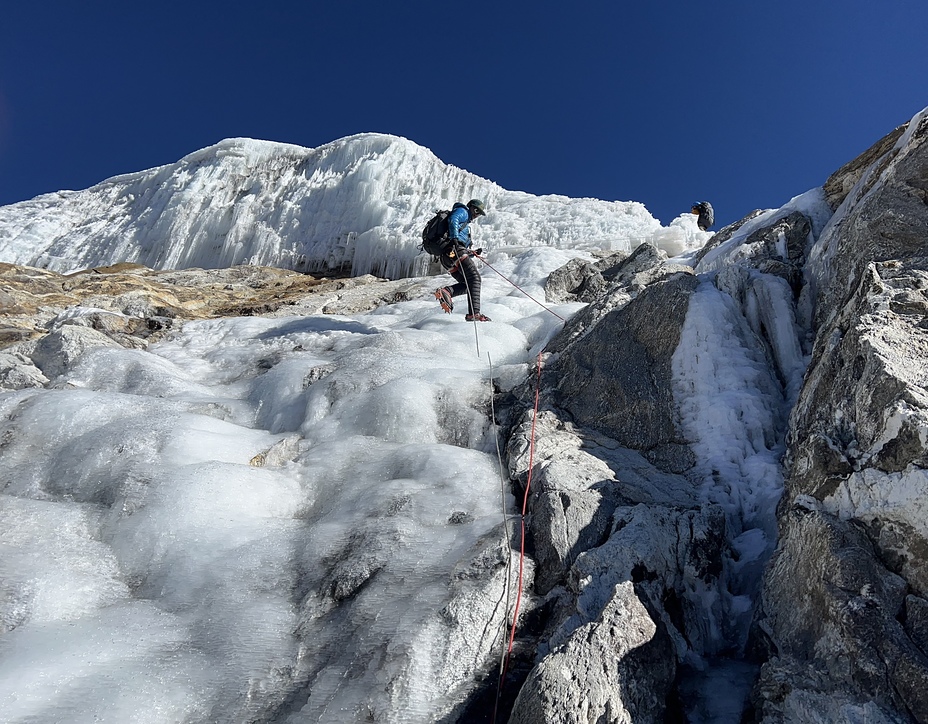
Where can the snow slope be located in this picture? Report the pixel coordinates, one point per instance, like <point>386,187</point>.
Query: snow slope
<point>294,519</point>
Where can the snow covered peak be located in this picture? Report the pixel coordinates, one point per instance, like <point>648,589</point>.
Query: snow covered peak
<point>358,203</point>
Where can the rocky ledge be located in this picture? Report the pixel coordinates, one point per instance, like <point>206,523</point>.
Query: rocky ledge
<point>48,319</point>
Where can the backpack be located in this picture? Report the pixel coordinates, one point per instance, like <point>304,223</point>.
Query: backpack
<point>435,234</point>
<point>706,215</point>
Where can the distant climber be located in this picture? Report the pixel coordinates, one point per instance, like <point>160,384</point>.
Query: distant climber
<point>703,209</point>
<point>457,259</point>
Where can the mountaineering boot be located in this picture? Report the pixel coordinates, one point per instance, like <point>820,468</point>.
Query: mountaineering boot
<point>478,317</point>
<point>444,299</point>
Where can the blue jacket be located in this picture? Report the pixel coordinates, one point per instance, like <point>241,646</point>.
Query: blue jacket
<point>459,225</point>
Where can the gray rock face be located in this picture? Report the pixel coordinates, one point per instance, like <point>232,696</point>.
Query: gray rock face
<point>630,576</point>
<point>613,673</point>
<point>579,480</point>
<point>56,352</point>
<point>778,248</point>
<point>884,220</point>
<point>835,609</point>
<point>621,531</point>
<point>843,181</point>
<point>17,372</point>
<point>576,281</point>
<point>619,279</point>
<point>845,638</point>
<point>600,382</point>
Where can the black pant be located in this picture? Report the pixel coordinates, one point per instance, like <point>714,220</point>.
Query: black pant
<point>467,276</point>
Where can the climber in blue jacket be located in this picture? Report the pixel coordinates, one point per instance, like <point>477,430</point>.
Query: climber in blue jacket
<point>457,260</point>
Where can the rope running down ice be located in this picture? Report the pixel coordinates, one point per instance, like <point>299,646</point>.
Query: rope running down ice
<point>506,656</point>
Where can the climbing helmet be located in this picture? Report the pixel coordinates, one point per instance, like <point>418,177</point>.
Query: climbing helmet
<point>477,207</point>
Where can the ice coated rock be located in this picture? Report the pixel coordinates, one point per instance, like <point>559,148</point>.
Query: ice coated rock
<point>853,537</point>
<point>57,351</point>
<point>836,305</point>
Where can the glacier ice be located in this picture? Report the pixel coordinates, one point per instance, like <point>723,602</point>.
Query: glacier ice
<point>355,205</point>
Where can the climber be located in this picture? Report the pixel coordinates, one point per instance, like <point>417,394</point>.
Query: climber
<point>457,260</point>
<point>703,209</point>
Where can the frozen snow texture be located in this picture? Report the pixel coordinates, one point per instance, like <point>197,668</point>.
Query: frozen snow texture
<point>731,407</point>
<point>154,567</point>
<point>358,203</point>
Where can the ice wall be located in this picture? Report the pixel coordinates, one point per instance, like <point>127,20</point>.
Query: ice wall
<point>355,204</point>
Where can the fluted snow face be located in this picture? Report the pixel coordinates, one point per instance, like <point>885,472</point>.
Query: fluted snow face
<point>358,203</point>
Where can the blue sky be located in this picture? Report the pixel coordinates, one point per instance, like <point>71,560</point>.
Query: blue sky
<point>744,104</point>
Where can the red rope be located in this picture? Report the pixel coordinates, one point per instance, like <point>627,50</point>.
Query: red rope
<point>528,485</point>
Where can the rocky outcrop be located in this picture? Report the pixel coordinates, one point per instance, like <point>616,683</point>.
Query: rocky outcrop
<point>599,382</point>
<point>884,220</point>
<point>833,613</point>
<point>842,182</point>
<point>844,599</point>
<point>613,672</point>
<point>577,281</point>
<point>17,372</point>
<point>618,279</point>
<point>584,281</point>
<point>626,547</point>
<point>629,544</point>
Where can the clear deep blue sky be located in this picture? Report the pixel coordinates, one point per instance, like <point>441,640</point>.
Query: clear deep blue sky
<point>743,103</point>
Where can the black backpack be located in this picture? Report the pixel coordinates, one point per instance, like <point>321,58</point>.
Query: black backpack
<point>435,234</point>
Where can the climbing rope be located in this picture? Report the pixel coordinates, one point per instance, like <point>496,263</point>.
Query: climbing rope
<point>506,656</point>
<point>520,288</point>
<point>469,305</point>
<point>503,480</point>
<point>519,585</point>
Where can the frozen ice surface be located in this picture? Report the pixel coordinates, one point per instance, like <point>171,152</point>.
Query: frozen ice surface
<point>356,203</point>
<point>152,570</point>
